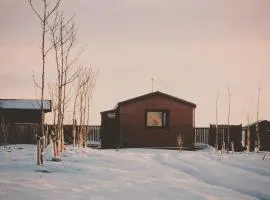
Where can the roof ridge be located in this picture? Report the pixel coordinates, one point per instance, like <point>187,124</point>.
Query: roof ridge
<point>157,93</point>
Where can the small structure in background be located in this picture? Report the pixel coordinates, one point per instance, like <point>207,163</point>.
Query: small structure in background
<point>263,127</point>
<point>21,119</point>
<point>234,143</point>
<point>153,120</point>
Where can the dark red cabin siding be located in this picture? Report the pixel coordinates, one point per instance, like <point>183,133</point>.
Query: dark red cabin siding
<point>134,132</point>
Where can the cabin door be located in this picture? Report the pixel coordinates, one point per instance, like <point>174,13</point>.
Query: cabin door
<point>110,131</point>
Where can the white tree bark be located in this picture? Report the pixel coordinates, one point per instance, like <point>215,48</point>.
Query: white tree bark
<point>44,17</point>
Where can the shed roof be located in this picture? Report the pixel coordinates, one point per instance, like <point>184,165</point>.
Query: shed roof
<point>108,111</point>
<point>157,93</point>
<point>259,122</point>
<point>25,104</point>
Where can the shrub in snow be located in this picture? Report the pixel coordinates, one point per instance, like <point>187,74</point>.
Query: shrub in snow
<point>223,147</point>
<point>56,159</point>
<point>232,145</point>
<point>43,171</point>
<point>180,141</point>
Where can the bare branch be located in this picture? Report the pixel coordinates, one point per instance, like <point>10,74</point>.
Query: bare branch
<point>35,11</point>
<point>48,50</point>
<point>76,57</point>
<point>43,17</point>
<point>53,9</point>
<point>35,81</point>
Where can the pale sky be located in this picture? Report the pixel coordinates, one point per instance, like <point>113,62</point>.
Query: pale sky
<point>195,49</point>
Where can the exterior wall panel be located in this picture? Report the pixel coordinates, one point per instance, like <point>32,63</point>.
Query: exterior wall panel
<point>133,124</point>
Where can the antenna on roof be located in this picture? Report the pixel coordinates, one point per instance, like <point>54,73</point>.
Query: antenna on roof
<point>152,80</point>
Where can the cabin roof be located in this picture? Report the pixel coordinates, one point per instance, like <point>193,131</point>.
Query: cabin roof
<point>108,111</point>
<point>25,104</point>
<point>152,94</point>
<point>259,122</point>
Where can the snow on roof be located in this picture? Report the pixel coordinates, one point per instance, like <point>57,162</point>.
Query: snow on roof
<point>24,104</point>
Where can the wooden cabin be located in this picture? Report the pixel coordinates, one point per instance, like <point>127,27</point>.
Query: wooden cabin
<point>263,127</point>
<point>222,132</point>
<point>151,120</point>
<point>21,119</point>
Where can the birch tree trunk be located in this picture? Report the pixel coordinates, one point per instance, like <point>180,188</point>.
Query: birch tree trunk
<point>257,124</point>
<point>229,113</point>
<point>44,17</point>
<point>217,137</point>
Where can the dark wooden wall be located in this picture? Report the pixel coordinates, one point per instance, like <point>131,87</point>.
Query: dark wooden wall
<point>25,133</point>
<point>264,131</point>
<point>110,133</point>
<point>133,130</point>
<point>20,116</point>
<point>20,133</point>
<point>235,136</point>
<point>20,126</point>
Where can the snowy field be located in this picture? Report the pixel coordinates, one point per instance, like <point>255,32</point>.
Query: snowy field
<point>133,174</point>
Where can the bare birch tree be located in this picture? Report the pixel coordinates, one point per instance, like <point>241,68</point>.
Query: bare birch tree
<point>88,97</point>
<point>248,132</point>
<point>63,37</point>
<point>82,109</point>
<point>84,92</point>
<point>53,95</point>
<point>217,138</point>
<point>91,85</point>
<point>229,115</point>
<point>4,131</point>
<point>257,122</point>
<point>43,16</point>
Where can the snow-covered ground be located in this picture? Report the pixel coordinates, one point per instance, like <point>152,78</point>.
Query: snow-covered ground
<point>133,174</point>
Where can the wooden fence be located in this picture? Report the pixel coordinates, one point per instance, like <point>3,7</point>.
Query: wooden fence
<point>25,133</point>
<point>94,134</point>
<point>20,133</point>
<point>228,134</point>
<point>201,135</point>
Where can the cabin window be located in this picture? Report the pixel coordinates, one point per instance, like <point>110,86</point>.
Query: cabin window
<point>157,119</point>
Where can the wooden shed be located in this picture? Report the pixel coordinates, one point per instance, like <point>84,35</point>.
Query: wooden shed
<point>222,132</point>
<point>263,127</point>
<point>22,110</point>
<point>151,120</point>
<point>21,119</point>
